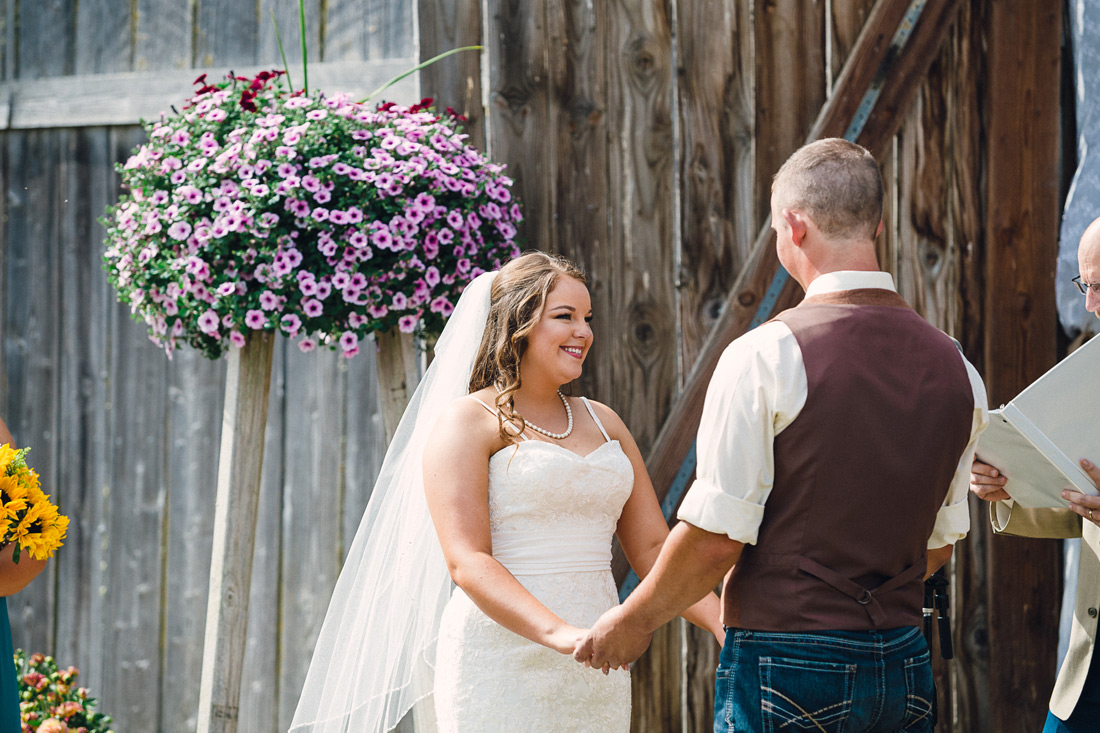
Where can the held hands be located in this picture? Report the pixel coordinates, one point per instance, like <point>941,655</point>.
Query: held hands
<point>987,483</point>
<point>611,643</point>
<point>1087,506</point>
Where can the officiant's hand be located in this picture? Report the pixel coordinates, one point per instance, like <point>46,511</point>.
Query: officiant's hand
<point>612,643</point>
<point>1087,506</point>
<point>987,483</point>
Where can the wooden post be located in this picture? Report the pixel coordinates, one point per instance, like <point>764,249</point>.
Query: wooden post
<point>242,451</point>
<point>1021,224</point>
<point>398,375</point>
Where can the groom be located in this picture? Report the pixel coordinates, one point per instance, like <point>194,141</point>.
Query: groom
<point>833,462</point>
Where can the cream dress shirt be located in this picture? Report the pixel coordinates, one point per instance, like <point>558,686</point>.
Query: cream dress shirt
<point>757,390</point>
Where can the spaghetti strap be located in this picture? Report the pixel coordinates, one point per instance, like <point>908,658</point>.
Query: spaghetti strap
<point>497,412</point>
<point>595,419</point>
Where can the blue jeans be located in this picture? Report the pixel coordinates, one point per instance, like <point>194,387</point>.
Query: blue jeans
<point>835,681</point>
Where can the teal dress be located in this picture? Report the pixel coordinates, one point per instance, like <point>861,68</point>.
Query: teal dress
<point>9,685</point>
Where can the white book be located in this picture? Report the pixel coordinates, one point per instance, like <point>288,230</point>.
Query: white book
<point>1038,439</point>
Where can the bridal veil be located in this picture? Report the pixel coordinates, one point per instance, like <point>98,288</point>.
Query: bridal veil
<point>375,654</point>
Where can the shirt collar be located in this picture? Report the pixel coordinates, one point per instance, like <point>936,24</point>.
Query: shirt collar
<point>832,282</point>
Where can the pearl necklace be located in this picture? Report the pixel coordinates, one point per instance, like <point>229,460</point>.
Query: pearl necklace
<point>547,433</point>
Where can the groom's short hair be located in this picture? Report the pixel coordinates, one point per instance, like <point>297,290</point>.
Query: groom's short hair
<point>837,183</point>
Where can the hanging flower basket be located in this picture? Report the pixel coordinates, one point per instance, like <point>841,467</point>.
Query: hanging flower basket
<point>320,218</point>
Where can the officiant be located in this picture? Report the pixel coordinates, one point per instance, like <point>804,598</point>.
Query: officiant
<point>1075,703</point>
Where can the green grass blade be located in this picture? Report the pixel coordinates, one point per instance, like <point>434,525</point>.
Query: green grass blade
<point>417,68</point>
<point>302,33</point>
<point>279,40</point>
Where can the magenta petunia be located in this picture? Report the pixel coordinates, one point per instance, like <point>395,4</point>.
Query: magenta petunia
<point>255,319</point>
<point>290,324</point>
<point>407,324</point>
<point>208,322</point>
<point>348,341</point>
<point>307,345</point>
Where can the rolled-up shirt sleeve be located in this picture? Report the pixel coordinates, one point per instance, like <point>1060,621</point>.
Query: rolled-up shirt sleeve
<point>757,389</point>
<point>953,519</point>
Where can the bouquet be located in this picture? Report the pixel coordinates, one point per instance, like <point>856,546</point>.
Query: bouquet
<point>258,208</point>
<point>50,702</point>
<point>27,517</point>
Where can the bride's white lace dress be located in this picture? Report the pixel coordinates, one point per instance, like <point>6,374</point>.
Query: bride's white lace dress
<point>552,514</point>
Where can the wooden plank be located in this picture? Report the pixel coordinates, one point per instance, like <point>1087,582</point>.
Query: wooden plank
<point>286,14</point>
<point>845,19</point>
<point>716,48</point>
<point>346,31</point>
<point>84,312</point>
<point>260,677</point>
<point>717,138</point>
<point>455,81</point>
<point>787,99</point>
<point>196,392</point>
<point>516,48</point>
<point>103,30</point>
<point>364,443</point>
<point>633,283</point>
<point>1022,218</point>
<point>82,101</point>
<point>965,138</point>
<point>240,461</point>
<point>45,45</point>
<point>226,33</point>
<point>9,64</point>
<point>313,476</point>
<point>640,299</point>
<point>129,614</point>
<point>579,190</point>
<point>655,680</point>
<point>390,30</point>
<point>900,83</point>
<point>163,34</point>
<point>31,343</point>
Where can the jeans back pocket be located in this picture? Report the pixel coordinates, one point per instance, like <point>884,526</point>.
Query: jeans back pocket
<point>802,694</point>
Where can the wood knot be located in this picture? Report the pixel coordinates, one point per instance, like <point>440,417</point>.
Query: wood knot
<point>746,298</point>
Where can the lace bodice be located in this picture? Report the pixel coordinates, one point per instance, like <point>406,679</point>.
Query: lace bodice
<point>552,515</point>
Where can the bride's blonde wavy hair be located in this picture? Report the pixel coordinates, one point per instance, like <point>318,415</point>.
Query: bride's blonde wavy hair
<point>516,303</point>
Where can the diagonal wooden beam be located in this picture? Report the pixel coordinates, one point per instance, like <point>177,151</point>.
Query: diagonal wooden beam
<point>883,72</point>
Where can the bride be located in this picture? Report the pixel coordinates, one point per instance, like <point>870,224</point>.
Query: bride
<point>525,488</point>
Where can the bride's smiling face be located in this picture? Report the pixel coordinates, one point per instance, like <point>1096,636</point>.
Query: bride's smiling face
<point>559,342</point>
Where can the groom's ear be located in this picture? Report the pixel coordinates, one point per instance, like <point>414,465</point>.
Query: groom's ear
<point>796,220</point>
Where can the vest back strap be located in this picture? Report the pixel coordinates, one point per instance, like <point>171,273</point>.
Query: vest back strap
<point>863,596</point>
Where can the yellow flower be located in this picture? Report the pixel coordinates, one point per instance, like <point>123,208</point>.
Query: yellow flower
<point>11,489</point>
<point>40,532</point>
<point>7,455</point>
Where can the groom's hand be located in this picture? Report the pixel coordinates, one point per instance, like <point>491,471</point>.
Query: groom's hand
<point>612,642</point>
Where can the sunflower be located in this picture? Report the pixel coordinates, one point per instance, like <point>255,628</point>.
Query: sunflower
<point>41,530</point>
<point>8,455</point>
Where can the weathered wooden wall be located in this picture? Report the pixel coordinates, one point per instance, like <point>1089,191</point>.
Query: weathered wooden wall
<point>642,135</point>
<point>127,439</point>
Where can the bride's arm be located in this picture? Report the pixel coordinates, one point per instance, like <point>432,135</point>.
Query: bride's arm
<point>642,529</point>
<point>456,482</point>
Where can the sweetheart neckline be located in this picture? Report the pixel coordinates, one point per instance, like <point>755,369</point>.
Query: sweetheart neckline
<point>580,456</point>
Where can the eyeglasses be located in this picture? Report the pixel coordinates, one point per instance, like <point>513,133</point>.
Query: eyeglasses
<point>1084,287</point>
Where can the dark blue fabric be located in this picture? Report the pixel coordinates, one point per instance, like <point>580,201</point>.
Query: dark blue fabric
<point>9,687</point>
<point>849,681</point>
<point>1086,713</point>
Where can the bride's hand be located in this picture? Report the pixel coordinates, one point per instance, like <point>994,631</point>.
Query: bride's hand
<point>565,639</point>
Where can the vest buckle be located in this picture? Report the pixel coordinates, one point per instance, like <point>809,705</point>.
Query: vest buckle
<point>865,598</point>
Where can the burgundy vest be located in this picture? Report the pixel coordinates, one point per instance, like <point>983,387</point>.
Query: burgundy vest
<point>860,474</point>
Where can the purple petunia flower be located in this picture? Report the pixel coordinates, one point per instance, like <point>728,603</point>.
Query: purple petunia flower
<point>407,324</point>
<point>291,324</point>
<point>255,319</point>
<point>208,322</point>
<point>179,231</point>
